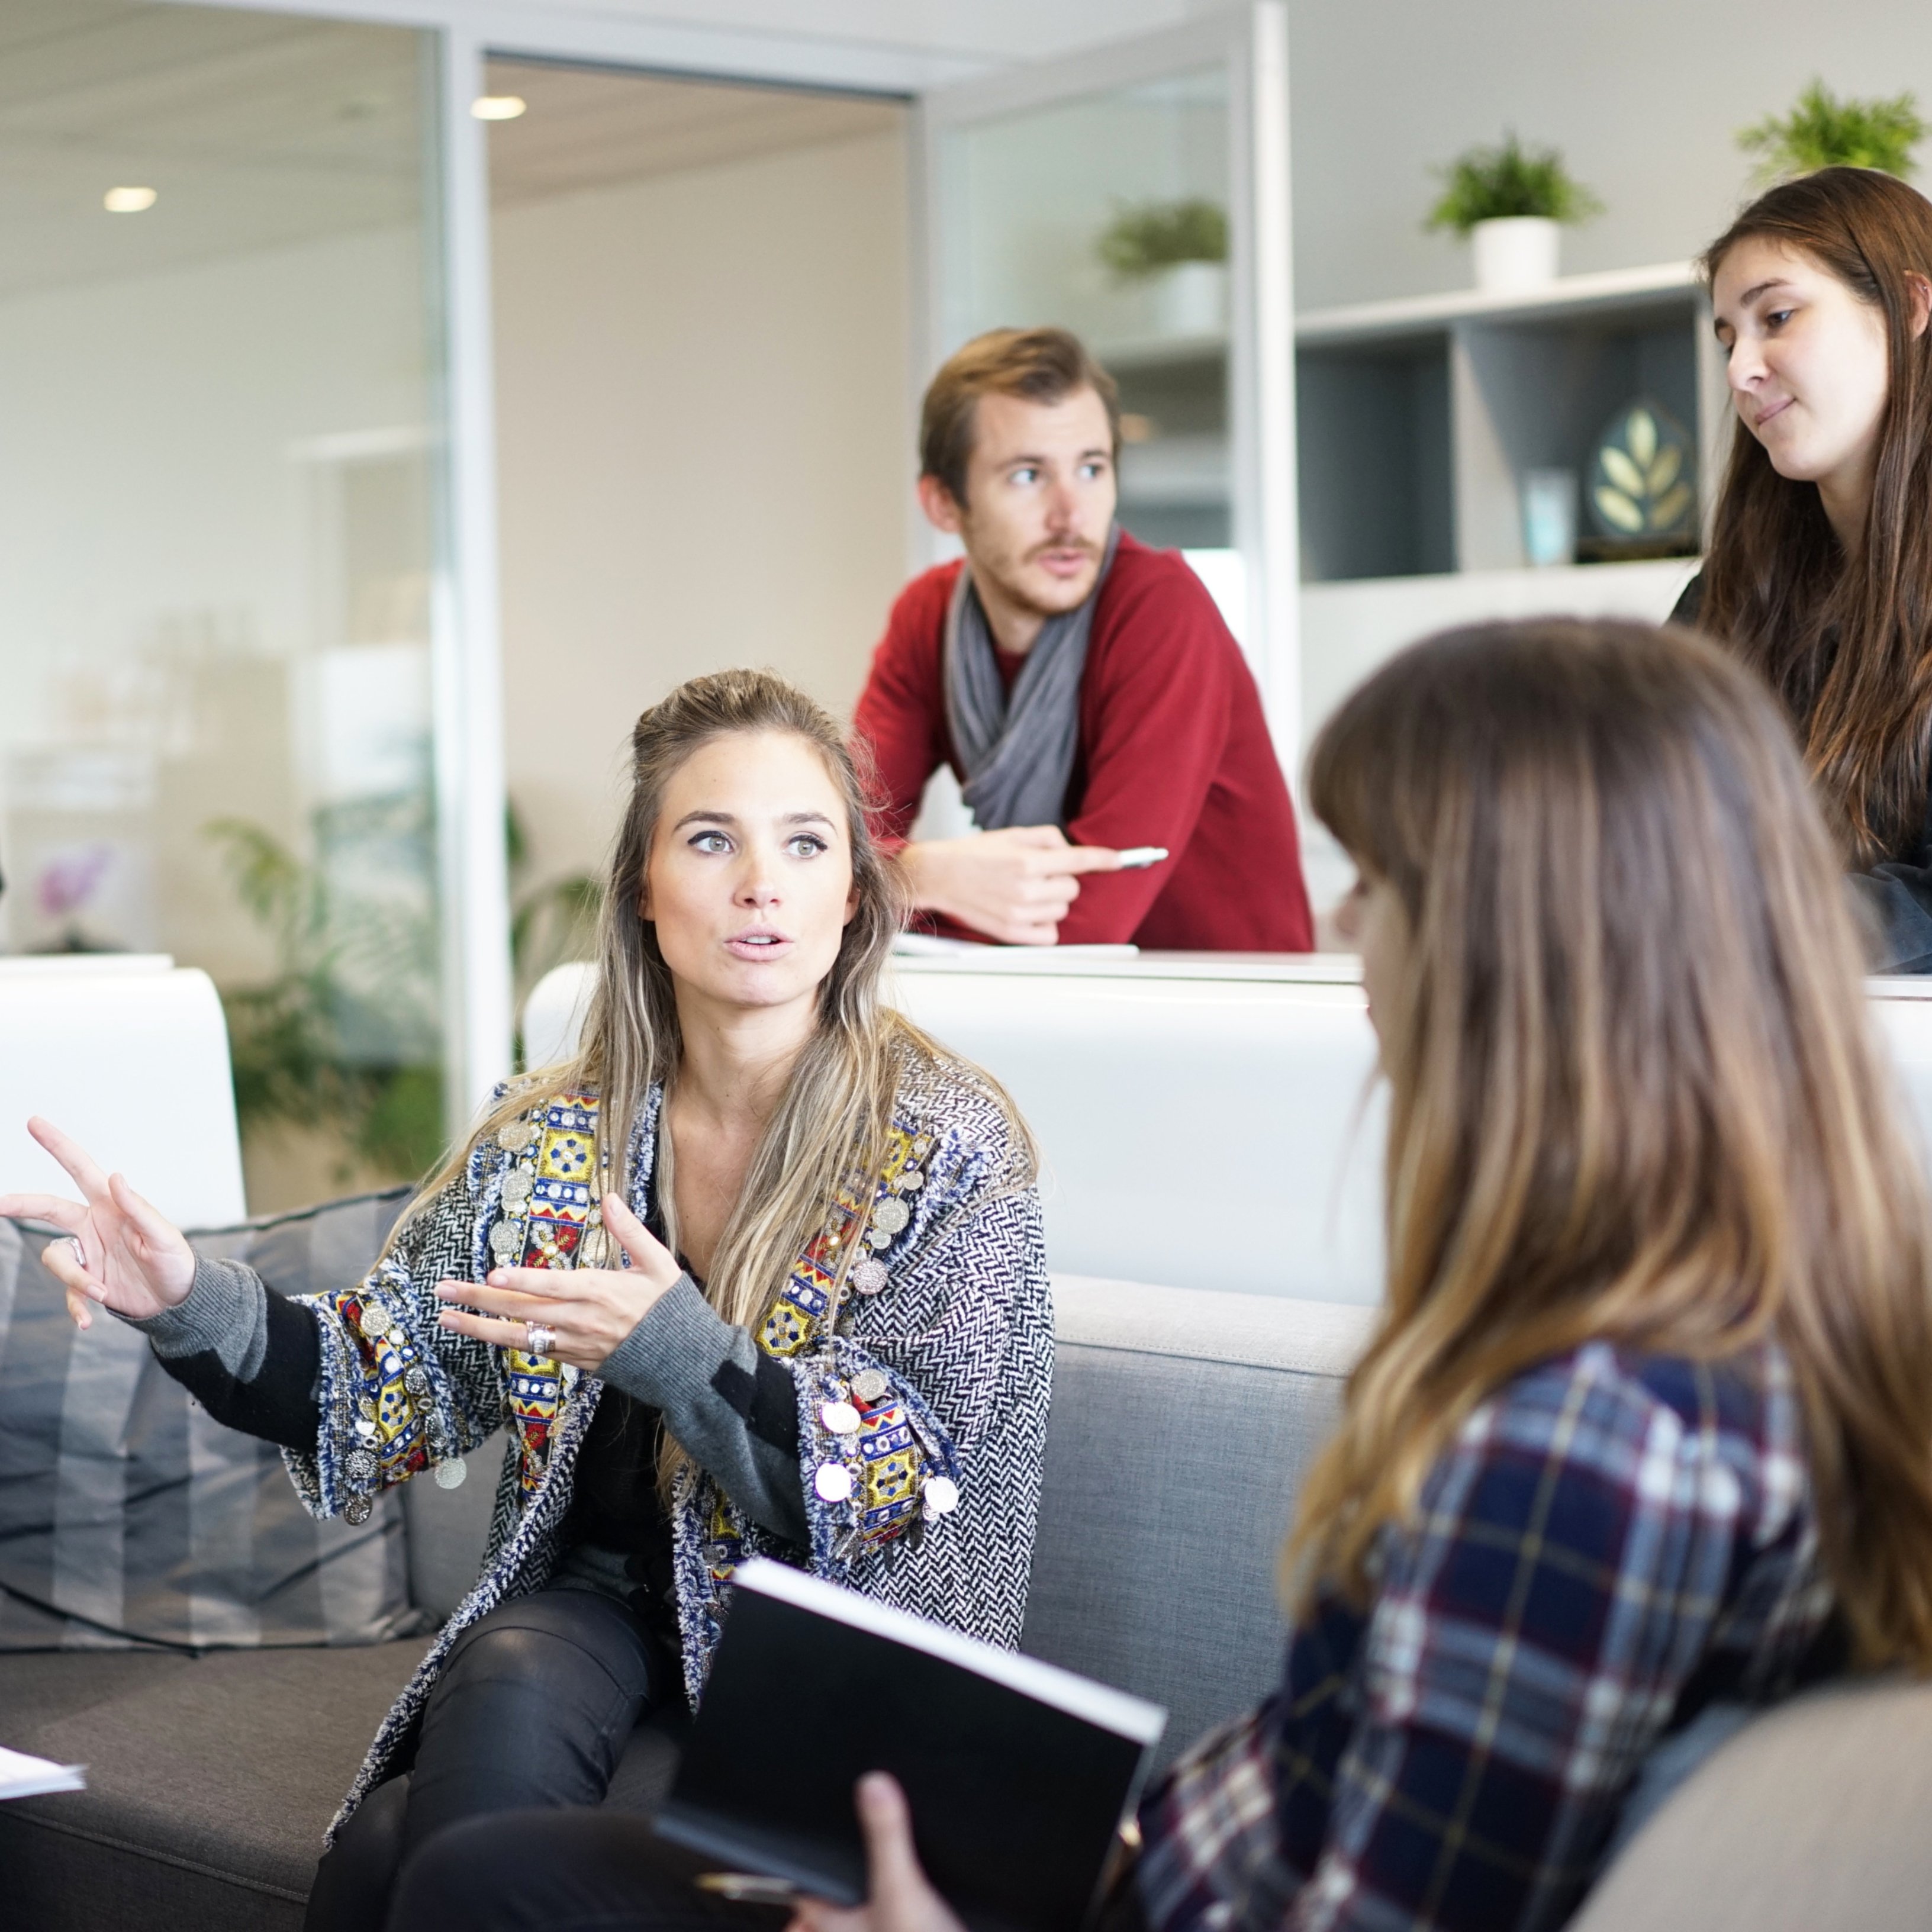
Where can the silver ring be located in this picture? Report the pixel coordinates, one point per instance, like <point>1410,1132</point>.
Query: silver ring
<point>541,1340</point>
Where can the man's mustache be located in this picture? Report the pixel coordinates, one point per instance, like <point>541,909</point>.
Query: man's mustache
<point>1080,544</point>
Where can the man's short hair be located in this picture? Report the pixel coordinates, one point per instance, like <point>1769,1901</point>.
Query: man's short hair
<point>1043,365</point>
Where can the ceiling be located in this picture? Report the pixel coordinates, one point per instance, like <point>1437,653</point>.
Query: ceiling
<point>262,130</point>
<point>255,129</point>
<point>587,127</point>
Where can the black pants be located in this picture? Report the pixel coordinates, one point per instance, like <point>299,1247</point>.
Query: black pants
<point>564,1871</point>
<point>595,1871</point>
<point>533,1707</point>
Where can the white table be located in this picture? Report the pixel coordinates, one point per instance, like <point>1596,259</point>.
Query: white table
<point>1207,1120</point>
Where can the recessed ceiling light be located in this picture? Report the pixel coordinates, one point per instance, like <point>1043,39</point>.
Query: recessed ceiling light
<point>129,200</point>
<point>498,106</point>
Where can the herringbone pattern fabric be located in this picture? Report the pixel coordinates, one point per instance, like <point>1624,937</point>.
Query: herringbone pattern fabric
<point>962,1333</point>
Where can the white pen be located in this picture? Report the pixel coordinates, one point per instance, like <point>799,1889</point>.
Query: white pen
<point>1136,856</point>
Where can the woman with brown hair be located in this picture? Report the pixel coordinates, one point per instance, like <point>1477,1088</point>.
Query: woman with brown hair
<point>1819,569</point>
<point>760,1271</point>
<point>1644,1439</point>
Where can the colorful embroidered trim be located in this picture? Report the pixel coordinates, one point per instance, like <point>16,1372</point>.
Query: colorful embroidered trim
<point>804,1305</point>
<point>550,1219</point>
<point>397,1431</point>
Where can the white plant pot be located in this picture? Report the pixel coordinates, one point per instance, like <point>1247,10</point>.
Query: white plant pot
<point>1191,299</point>
<point>1516,252</point>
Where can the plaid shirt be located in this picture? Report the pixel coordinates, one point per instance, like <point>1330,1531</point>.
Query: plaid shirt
<point>1611,1542</point>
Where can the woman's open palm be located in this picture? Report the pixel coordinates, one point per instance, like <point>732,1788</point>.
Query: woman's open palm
<point>125,1254</point>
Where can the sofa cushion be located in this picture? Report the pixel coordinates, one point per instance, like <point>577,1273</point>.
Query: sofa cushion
<point>1812,1815</point>
<point>211,1780</point>
<point>127,1515</point>
<point>1183,1423</point>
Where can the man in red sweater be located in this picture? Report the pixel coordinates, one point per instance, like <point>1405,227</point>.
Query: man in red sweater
<point>1082,687</point>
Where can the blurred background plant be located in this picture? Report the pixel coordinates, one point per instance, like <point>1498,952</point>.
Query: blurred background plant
<point>344,1039</point>
<point>1822,131</point>
<point>550,924</point>
<point>1145,237</point>
<point>1492,184</point>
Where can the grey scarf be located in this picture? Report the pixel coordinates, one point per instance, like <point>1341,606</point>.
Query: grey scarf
<point>1018,753</point>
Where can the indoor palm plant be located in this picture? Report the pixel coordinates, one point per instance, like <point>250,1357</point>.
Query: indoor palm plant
<point>1512,203</point>
<point>1181,248</point>
<point>1822,131</point>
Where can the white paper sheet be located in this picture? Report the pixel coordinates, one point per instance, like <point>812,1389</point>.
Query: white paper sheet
<point>24,1777</point>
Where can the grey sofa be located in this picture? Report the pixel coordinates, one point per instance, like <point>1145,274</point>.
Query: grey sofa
<point>1182,1423</point>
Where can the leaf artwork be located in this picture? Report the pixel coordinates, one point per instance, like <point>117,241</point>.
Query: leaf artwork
<point>1822,131</point>
<point>1641,489</point>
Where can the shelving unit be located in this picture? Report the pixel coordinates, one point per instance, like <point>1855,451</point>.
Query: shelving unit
<point>1177,485</point>
<point>1418,418</point>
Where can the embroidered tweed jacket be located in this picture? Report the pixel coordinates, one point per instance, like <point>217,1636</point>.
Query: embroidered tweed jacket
<point>943,1338</point>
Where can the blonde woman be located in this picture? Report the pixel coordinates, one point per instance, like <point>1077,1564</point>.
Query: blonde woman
<point>1646,1431</point>
<point>761,1271</point>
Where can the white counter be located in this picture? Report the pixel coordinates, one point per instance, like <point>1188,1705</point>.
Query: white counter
<point>1206,1119</point>
<point>129,1054</point>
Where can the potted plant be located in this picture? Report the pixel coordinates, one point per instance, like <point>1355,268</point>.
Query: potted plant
<point>1512,203</point>
<point>1181,248</point>
<point>1822,131</point>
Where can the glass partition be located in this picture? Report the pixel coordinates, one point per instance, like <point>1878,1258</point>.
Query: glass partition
<point>218,511</point>
<point>1108,214</point>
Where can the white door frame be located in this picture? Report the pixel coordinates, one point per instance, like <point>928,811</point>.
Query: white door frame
<point>1251,42</point>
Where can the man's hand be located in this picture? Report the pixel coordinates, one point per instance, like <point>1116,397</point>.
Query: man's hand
<point>588,1310</point>
<point>900,1897</point>
<point>1013,886</point>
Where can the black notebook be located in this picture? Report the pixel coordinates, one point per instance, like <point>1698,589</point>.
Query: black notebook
<point>1019,1774</point>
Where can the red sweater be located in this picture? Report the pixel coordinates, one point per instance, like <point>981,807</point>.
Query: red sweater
<point>1174,751</point>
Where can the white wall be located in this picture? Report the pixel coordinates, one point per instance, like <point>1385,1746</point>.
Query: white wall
<point>1643,98</point>
<point>704,449</point>
<point>161,553</point>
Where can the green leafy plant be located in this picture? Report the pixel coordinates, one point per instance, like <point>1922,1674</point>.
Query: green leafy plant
<point>1146,237</point>
<point>550,924</point>
<point>1822,131</point>
<point>1488,183</point>
<point>344,1036</point>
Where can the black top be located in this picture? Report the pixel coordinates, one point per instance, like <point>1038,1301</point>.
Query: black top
<point>1894,899</point>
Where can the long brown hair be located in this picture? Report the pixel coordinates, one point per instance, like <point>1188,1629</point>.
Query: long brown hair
<point>1634,1090</point>
<point>828,1132</point>
<point>1849,650</point>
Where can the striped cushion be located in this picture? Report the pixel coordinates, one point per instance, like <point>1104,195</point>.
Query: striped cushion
<point>129,1516</point>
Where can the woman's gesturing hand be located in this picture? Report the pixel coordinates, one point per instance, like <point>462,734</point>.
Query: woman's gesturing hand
<point>125,1254</point>
<point>901,1898</point>
<point>588,1310</point>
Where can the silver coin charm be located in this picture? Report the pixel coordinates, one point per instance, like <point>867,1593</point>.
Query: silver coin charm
<point>365,1429</point>
<point>596,1250</point>
<point>942,1495</point>
<point>868,1276</point>
<point>833,1482</point>
<point>358,1466</point>
<point>376,1322</point>
<point>416,1380</point>
<point>891,1215</point>
<point>868,1385</point>
<point>912,1180</point>
<point>450,1473</point>
<point>506,1238</point>
<point>518,1135</point>
<point>840,1417</point>
<point>357,1511</point>
<point>517,1188</point>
